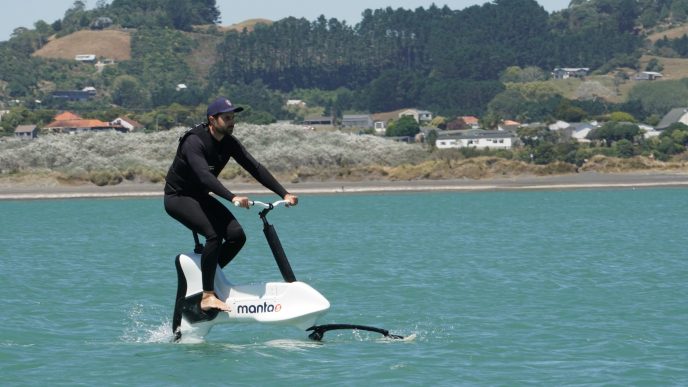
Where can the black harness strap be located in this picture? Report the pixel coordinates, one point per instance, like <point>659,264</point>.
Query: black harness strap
<point>198,248</point>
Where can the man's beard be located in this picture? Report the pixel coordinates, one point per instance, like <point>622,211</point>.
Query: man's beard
<point>227,131</point>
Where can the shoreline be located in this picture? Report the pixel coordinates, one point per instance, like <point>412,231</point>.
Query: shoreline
<point>42,190</point>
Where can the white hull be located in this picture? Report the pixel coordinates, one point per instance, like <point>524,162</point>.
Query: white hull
<point>294,303</point>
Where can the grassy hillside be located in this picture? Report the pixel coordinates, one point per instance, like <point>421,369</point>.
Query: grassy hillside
<point>249,25</point>
<point>674,69</point>
<point>671,33</point>
<point>116,44</point>
<point>111,44</point>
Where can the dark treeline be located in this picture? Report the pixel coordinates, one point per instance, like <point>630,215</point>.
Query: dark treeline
<point>452,62</point>
<point>439,58</point>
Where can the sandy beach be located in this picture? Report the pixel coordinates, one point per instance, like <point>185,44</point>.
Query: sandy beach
<point>43,189</point>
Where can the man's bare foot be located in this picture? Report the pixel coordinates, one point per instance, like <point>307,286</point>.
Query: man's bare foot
<point>210,301</point>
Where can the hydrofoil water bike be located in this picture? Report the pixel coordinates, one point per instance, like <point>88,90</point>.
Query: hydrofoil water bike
<point>290,302</point>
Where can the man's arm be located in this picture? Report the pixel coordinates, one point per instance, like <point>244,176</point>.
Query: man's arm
<point>256,169</point>
<point>193,150</point>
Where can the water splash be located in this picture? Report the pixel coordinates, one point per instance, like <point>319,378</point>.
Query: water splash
<point>144,326</point>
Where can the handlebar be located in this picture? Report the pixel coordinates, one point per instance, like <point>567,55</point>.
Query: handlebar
<point>268,206</point>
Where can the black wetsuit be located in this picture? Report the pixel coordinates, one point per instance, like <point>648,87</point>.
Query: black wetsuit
<point>193,175</point>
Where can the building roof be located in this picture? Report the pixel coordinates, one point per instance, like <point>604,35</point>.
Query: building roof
<point>470,120</point>
<point>386,116</point>
<point>356,117</point>
<point>25,129</point>
<point>78,123</point>
<point>475,133</point>
<point>318,118</point>
<point>576,126</point>
<point>673,116</point>
<point>66,116</point>
<point>416,111</point>
<point>131,122</point>
<point>572,69</point>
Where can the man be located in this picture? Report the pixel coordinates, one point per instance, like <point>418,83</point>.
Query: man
<point>201,155</point>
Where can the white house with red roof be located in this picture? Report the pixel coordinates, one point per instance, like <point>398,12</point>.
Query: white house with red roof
<point>127,123</point>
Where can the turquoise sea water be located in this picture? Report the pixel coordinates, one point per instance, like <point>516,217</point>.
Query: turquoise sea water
<point>582,287</point>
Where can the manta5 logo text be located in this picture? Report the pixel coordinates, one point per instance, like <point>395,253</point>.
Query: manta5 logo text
<point>260,308</point>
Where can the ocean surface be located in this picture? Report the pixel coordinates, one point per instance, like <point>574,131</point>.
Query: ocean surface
<point>582,287</point>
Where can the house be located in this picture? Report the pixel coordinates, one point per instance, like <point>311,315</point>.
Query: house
<point>576,130</point>
<point>476,138</point>
<point>463,122</point>
<point>363,121</point>
<point>579,131</point>
<point>127,123</point>
<point>66,116</point>
<point>72,95</point>
<point>570,72</point>
<point>648,131</point>
<point>559,125</point>
<point>380,127</point>
<point>674,115</point>
<point>648,76</point>
<point>68,122</point>
<point>296,102</point>
<point>85,58</point>
<point>27,132</point>
<point>100,65</point>
<point>101,23</point>
<point>419,115</point>
<point>508,125</point>
<point>471,121</point>
<point>381,120</point>
<point>318,120</point>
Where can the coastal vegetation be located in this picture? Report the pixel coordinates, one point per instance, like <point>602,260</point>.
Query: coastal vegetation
<point>297,155</point>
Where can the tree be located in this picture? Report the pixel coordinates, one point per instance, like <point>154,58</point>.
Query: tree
<point>621,117</point>
<point>535,101</point>
<point>490,120</point>
<point>432,138</point>
<point>16,116</point>
<point>439,122</point>
<point>660,97</point>
<point>528,74</point>
<point>570,113</point>
<point>654,65</point>
<point>127,92</point>
<point>624,148</point>
<point>532,136</point>
<point>75,18</point>
<point>593,90</point>
<point>404,126</point>
<point>543,153</point>
<point>676,133</point>
<point>611,132</point>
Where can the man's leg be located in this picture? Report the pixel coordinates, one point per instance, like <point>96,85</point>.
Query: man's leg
<point>235,238</point>
<point>193,213</point>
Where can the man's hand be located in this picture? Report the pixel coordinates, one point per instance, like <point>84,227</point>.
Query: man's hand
<point>292,199</point>
<point>241,201</point>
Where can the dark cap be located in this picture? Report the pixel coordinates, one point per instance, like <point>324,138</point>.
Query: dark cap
<point>222,105</point>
